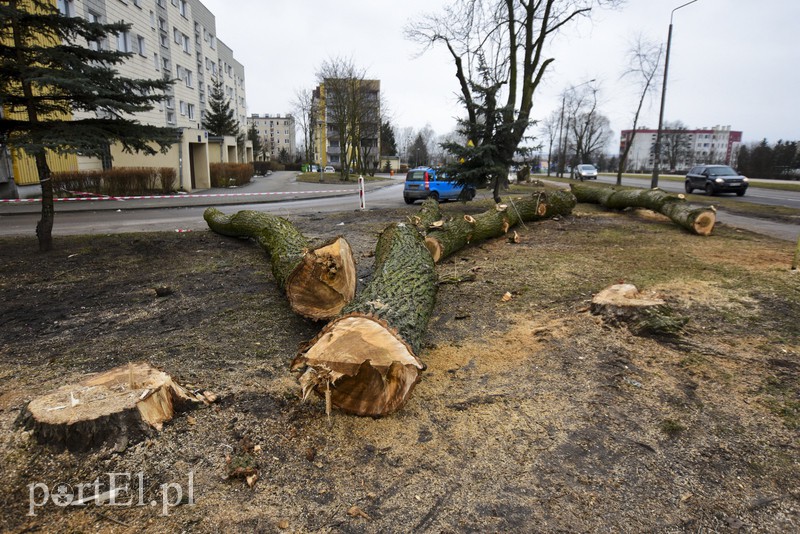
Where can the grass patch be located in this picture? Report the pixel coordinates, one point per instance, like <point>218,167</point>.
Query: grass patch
<point>671,428</point>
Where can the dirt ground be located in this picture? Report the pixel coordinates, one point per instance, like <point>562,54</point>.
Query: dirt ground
<point>534,415</point>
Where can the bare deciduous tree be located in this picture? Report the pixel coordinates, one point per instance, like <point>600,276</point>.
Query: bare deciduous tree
<point>498,48</point>
<point>644,58</point>
<point>303,110</point>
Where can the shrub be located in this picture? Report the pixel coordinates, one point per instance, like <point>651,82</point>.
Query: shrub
<point>122,181</point>
<point>230,174</point>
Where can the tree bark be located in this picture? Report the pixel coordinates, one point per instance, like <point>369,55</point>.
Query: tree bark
<point>454,235</point>
<point>44,228</point>
<point>365,362</point>
<point>429,213</point>
<point>698,220</point>
<point>318,282</point>
<point>120,406</point>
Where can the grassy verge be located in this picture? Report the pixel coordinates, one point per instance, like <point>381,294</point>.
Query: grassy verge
<point>334,178</point>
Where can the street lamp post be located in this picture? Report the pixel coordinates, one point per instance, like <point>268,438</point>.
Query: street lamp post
<point>657,148</point>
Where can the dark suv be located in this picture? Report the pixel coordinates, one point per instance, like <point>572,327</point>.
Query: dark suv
<point>715,179</point>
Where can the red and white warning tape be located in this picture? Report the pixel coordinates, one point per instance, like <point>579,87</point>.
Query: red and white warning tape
<point>152,197</point>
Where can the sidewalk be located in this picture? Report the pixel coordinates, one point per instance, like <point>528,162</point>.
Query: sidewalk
<point>279,186</point>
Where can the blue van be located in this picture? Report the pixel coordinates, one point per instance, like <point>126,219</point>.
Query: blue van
<point>425,182</point>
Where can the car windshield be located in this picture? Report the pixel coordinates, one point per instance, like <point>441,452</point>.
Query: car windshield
<point>586,167</point>
<point>722,171</point>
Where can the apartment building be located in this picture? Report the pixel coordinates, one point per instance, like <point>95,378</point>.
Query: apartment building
<point>276,132</point>
<point>331,104</point>
<point>176,39</point>
<point>681,149</point>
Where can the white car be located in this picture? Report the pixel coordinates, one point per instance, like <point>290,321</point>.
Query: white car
<point>329,169</point>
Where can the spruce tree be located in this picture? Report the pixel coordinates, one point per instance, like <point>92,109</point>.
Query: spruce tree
<point>48,73</point>
<point>220,119</point>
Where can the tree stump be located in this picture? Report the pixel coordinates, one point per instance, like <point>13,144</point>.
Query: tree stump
<point>622,303</point>
<point>318,282</point>
<point>120,406</point>
<point>365,362</point>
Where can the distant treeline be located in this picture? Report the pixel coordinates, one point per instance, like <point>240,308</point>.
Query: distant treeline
<point>762,160</point>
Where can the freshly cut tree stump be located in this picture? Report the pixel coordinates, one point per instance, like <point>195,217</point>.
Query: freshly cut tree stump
<point>623,302</point>
<point>698,220</point>
<point>365,362</point>
<point>120,406</point>
<point>454,235</point>
<point>318,282</point>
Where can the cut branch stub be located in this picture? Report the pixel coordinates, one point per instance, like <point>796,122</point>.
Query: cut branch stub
<point>120,406</point>
<point>318,282</point>
<point>455,235</point>
<point>699,220</point>
<point>365,360</point>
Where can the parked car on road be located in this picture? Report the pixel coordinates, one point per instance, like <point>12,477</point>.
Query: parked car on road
<point>586,171</point>
<point>329,168</point>
<point>425,182</point>
<point>715,179</point>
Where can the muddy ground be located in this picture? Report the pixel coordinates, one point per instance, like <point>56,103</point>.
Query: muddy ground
<point>534,415</point>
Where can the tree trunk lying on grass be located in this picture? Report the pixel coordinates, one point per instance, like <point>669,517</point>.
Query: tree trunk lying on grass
<point>429,213</point>
<point>318,282</point>
<point>120,406</point>
<point>443,240</point>
<point>365,362</point>
<point>698,220</point>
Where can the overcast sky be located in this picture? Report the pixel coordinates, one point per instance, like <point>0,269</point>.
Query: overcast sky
<point>733,62</point>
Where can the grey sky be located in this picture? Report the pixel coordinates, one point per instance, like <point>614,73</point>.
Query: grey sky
<point>733,62</point>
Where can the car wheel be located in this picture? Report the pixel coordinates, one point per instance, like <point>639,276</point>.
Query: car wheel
<point>434,195</point>
<point>471,194</point>
<point>688,187</point>
<point>709,190</point>
<point>740,193</point>
<point>408,200</point>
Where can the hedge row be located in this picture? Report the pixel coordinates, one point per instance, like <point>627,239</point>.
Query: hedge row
<point>230,174</point>
<point>122,181</point>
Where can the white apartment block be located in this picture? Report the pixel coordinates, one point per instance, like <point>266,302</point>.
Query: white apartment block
<point>717,145</point>
<point>175,39</point>
<point>276,132</point>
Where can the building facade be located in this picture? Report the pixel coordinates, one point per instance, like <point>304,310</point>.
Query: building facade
<point>276,133</point>
<point>681,149</point>
<point>356,104</point>
<point>168,38</point>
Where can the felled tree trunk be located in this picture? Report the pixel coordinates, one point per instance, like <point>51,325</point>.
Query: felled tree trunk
<point>429,213</point>
<point>454,235</point>
<point>365,361</point>
<point>698,220</point>
<point>120,406</point>
<point>318,282</point>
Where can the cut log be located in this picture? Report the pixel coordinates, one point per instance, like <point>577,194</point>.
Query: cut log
<point>365,362</point>
<point>318,282</point>
<point>117,407</point>
<point>696,219</point>
<point>429,213</point>
<point>455,235</point>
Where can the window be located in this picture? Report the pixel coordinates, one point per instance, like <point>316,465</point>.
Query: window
<point>164,41</point>
<point>152,20</point>
<point>185,42</point>
<point>160,3</point>
<point>165,64</point>
<point>212,42</point>
<point>156,63</point>
<point>183,107</point>
<point>190,111</point>
<point>124,42</point>
<point>141,46</point>
<point>183,8</point>
<point>170,102</point>
<point>162,24</point>
<point>137,3</point>
<point>93,17</point>
<point>188,78</point>
<point>66,8</point>
<point>176,35</point>
<point>170,117</point>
